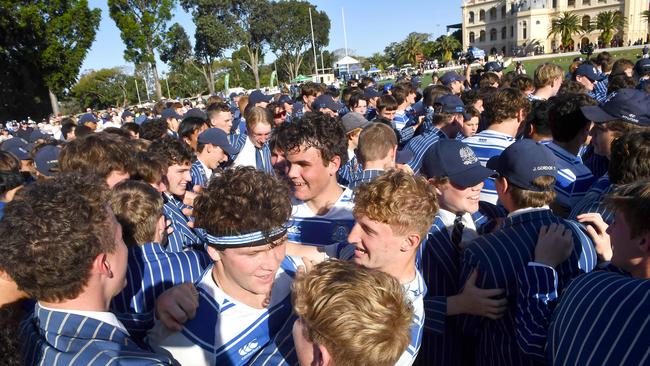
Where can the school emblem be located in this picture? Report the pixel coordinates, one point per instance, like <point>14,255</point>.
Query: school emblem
<point>340,234</point>
<point>468,156</point>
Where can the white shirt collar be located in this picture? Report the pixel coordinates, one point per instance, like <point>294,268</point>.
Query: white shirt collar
<point>103,316</point>
<point>527,209</point>
<point>448,218</point>
<point>208,171</point>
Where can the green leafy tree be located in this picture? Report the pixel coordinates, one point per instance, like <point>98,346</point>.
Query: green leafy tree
<point>43,45</point>
<point>176,48</point>
<point>411,48</point>
<point>609,23</point>
<point>566,26</point>
<point>104,88</point>
<point>378,60</point>
<point>142,24</point>
<point>292,33</point>
<point>446,46</point>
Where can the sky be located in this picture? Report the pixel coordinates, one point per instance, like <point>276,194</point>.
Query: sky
<point>370,27</point>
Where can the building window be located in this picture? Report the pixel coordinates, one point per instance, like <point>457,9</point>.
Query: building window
<point>493,13</point>
<point>571,3</point>
<point>481,37</point>
<point>586,2</point>
<point>471,17</point>
<point>538,22</point>
<point>481,15</point>
<point>503,33</point>
<point>493,34</point>
<point>602,1</point>
<point>512,31</point>
<point>503,12</point>
<point>554,4</point>
<point>524,31</point>
<point>586,21</point>
<point>472,37</point>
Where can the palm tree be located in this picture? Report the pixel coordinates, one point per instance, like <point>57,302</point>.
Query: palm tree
<point>446,45</point>
<point>410,49</point>
<point>565,26</point>
<point>609,23</point>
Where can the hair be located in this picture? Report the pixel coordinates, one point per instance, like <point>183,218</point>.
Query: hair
<point>620,66</point>
<point>366,81</point>
<point>66,128</point>
<point>538,117</point>
<point>318,131</point>
<point>10,176</point>
<point>633,201</point>
<point>153,129</point>
<point>620,81</point>
<point>571,87</point>
<point>213,100</point>
<point>405,202</point>
<point>311,89</point>
<point>630,158</point>
<point>137,207</point>
<point>574,66</point>
<point>216,108</point>
<point>433,92</point>
<point>131,127</point>
<point>620,127</point>
<point>546,73</point>
<point>387,103</point>
<point>375,141</point>
<point>471,112</point>
<point>488,79</point>
<point>117,131</point>
<point>190,126</point>
<point>83,131</point>
<point>506,79</point>
<point>173,151</point>
<point>256,115</point>
<point>605,61</point>
<point>98,153</point>
<point>354,99</point>
<point>470,97</point>
<point>50,258</point>
<point>362,316</point>
<point>522,82</point>
<point>260,202</point>
<point>401,91</point>
<point>565,117</point>
<point>149,168</point>
<point>505,104</point>
<point>160,106</point>
<point>525,198</point>
<point>242,103</point>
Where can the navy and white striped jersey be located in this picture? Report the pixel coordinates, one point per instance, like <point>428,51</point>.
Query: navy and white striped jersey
<point>443,343</point>
<point>365,176</point>
<point>593,200</point>
<point>183,237</point>
<point>415,291</point>
<point>597,164</point>
<point>332,228</point>
<point>199,175</point>
<point>60,338</point>
<point>347,171</point>
<point>602,319</point>
<point>419,145</point>
<point>151,270</point>
<point>498,256</point>
<point>573,178</point>
<point>486,144</point>
<point>227,332</point>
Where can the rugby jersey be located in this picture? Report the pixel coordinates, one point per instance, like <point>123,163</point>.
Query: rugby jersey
<point>573,178</point>
<point>365,176</point>
<point>486,144</point>
<point>419,145</point>
<point>306,227</point>
<point>228,332</point>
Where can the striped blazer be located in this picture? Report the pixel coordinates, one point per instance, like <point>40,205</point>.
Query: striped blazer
<point>183,237</point>
<point>199,177</point>
<point>593,200</point>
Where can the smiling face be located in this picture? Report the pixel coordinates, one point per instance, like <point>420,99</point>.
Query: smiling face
<point>376,245</point>
<point>457,199</point>
<point>177,178</point>
<point>310,176</point>
<point>259,134</point>
<point>222,120</point>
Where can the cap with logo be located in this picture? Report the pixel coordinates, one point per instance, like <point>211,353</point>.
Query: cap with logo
<point>17,146</point>
<point>258,97</point>
<point>216,137</point>
<point>451,76</point>
<point>46,160</point>
<point>353,120</point>
<point>455,160</point>
<point>127,113</point>
<point>590,72</point>
<point>87,118</point>
<point>642,67</point>
<point>371,93</point>
<point>285,99</point>
<point>523,162</point>
<point>170,113</point>
<point>450,103</point>
<point>326,101</point>
<point>630,105</point>
<point>38,135</point>
<point>196,113</point>
<point>493,66</point>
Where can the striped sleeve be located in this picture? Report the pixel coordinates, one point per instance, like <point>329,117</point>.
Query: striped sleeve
<point>435,314</point>
<point>537,292</point>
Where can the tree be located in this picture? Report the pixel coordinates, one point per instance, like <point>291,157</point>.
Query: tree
<point>411,48</point>
<point>446,46</point>
<point>292,32</point>
<point>566,26</point>
<point>176,48</point>
<point>142,25</point>
<point>609,23</point>
<point>104,88</point>
<point>43,46</point>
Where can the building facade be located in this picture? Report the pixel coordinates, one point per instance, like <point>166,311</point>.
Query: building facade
<point>518,27</point>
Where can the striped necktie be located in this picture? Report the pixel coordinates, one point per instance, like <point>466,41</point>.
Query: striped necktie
<point>457,231</point>
<point>259,161</point>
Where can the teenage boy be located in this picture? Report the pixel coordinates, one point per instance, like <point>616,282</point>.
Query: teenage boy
<point>547,80</point>
<point>220,116</point>
<point>353,123</point>
<point>213,149</point>
<point>525,188</point>
<point>404,95</point>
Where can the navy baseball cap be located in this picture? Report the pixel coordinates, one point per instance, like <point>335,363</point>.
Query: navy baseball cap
<point>524,161</point>
<point>216,137</point>
<point>232,95</point>
<point>258,97</point>
<point>46,160</point>
<point>450,103</point>
<point>14,142</point>
<point>371,93</point>
<point>197,113</point>
<point>455,160</point>
<point>285,99</point>
<point>170,113</point>
<point>37,134</point>
<point>642,67</point>
<point>403,156</point>
<point>87,117</point>
<point>388,87</point>
<point>326,101</point>
<point>493,66</point>
<point>127,113</point>
<point>451,76</point>
<point>590,72</point>
<point>630,105</point>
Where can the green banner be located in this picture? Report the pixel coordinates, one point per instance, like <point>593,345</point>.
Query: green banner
<point>226,82</point>
<point>273,76</point>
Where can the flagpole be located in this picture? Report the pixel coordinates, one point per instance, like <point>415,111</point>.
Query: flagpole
<point>345,34</point>
<point>313,42</point>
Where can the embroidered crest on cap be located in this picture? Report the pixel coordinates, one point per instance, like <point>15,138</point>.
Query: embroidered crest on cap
<point>468,156</point>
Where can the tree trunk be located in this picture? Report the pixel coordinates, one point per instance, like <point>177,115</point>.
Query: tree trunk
<point>254,65</point>
<point>54,102</point>
<point>156,81</point>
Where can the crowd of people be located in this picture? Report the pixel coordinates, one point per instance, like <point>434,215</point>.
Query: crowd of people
<point>489,218</point>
